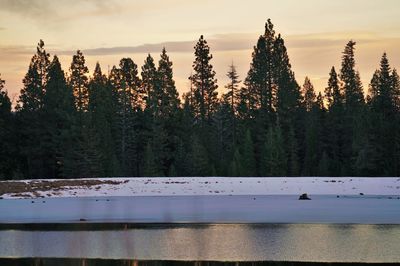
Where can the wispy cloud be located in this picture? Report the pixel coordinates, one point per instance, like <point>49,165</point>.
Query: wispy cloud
<point>238,42</point>
<point>34,9</point>
<point>182,46</point>
<point>50,10</point>
<point>218,43</point>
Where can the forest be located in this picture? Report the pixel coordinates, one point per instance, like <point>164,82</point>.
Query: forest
<point>132,121</point>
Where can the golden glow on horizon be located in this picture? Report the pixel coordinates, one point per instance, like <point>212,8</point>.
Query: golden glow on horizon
<point>315,33</point>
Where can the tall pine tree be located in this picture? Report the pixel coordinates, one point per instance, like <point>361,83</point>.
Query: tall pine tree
<point>30,111</point>
<point>59,126</point>
<point>204,82</point>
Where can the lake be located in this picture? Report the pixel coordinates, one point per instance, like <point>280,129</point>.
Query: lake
<point>211,242</point>
<point>203,228</point>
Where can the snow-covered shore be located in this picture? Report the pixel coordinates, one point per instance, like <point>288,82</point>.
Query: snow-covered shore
<point>186,186</point>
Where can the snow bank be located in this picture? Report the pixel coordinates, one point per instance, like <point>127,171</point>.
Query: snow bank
<point>186,186</point>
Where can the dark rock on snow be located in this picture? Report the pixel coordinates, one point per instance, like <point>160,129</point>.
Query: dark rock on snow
<point>304,197</point>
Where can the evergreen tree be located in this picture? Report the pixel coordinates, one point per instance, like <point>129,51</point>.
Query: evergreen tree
<point>309,96</point>
<point>288,91</point>
<point>221,143</point>
<point>168,134</point>
<point>261,77</point>
<point>232,97</point>
<point>170,97</point>
<point>233,88</point>
<point>30,104</point>
<point>323,166</point>
<point>396,89</point>
<point>383,101</point>
<point>204,83</point>
<point>248,156</point>
<point>150,165</point>
<point>59,130</point>
<point>293,167</point>
<point>78,80</point>
<point>353,92</point>
<point>236,168</point>
<point>151,85</point>
<point>102,114</point>
<point>200,165</point>
<point>7,151</point>
<point>382,91</point>
<point>354,119</point>
<point>128,101</point>
<point>31,97</point>
<point>288,101</point>
<point>335,119</point>
<point>274,155</point>
<point>311,138</point>
<point>182,159</point>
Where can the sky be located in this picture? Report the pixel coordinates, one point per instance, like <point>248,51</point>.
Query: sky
<point>315,33</point>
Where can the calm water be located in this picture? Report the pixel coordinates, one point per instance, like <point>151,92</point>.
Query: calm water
<point>205,209</point>
<point>179,229</point>
<point>100,262</point>
<point>222,242</point>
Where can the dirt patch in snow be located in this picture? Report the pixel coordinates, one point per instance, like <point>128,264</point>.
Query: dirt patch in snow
<point>32,188</point>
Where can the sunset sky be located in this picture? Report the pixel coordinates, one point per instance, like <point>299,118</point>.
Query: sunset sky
<point>315,32</point>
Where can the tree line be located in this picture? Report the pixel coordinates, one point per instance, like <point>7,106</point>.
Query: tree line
<point>126,123</point>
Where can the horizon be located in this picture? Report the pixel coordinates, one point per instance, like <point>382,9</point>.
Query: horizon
<point>313,47</point>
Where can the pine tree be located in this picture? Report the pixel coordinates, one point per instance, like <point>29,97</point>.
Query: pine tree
<point>200,165</point>
<point>288,99</point>
<point>354,120</point>
<point>353,92</point>
<point>383,93</point>
<point>59,116</point>
<point>236,168</point>
<point>182,159</point>
<point>151,85</point>
<point>221,143</point>
<point>7,151</point>
<point>78,80</point>
<point>169,123</point>
<point>314,132</point>
<point>274,156</point>
<point>293,168</point>
<point>232,97</point>
<point>335,119</point>
<point>309,96</point>
<point>288,94</point>
<point>170,97</point>
<point>248,156</point>
<point>30,104</point>
<point>128,101</point>
<point>233,88</point>
<point>150,166</point>
<point>204,83</point>
<point>131,89</point>
<point>102,112</point>
<point>31,97</point>
<point>323,166</point>
<point>381,88</point>
<point>396,89</point>
<point>260,78</point>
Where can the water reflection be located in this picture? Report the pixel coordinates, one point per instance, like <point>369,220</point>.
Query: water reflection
<point>222,242</point>
<point>102,262</point>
